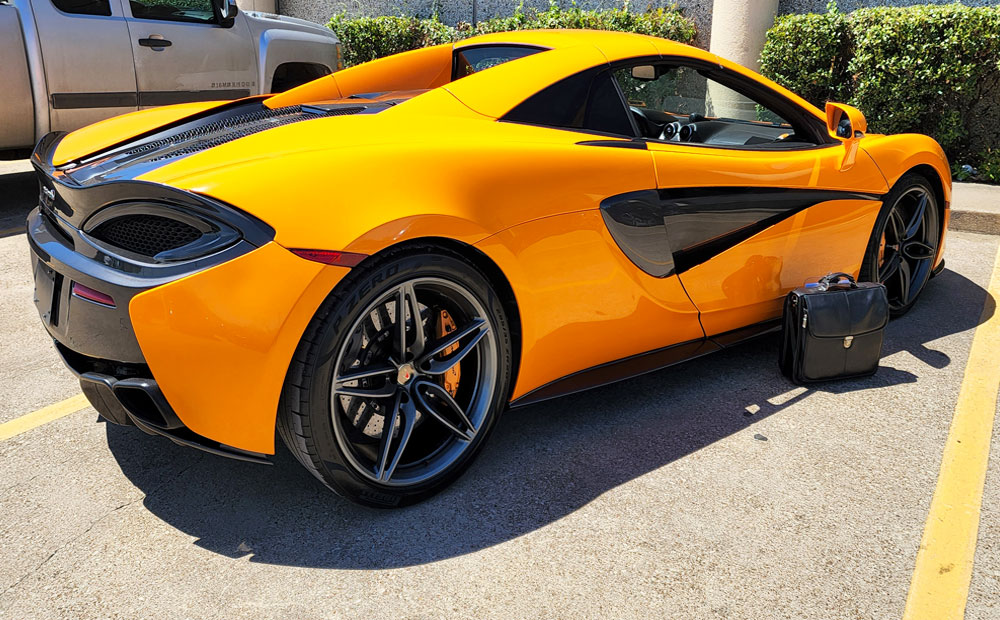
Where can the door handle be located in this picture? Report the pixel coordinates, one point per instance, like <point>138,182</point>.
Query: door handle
<point>155,43</point>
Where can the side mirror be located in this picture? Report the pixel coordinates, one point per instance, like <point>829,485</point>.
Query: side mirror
<point>225,12</point>
<point>845,122</point>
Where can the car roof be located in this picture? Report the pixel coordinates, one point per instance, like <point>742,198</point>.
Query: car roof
<point>573,50</point>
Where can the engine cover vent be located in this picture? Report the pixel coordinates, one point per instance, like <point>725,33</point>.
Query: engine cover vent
<point>133,160</point>
<point>215,134</point>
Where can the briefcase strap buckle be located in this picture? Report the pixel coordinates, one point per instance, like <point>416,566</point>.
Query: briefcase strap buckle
<point>847,341</point>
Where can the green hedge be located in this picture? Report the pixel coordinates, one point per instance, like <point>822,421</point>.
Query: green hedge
<point>368,38</point>
<point>925,69</point>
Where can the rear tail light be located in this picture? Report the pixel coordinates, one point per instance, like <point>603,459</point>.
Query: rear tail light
<point>85,292</point>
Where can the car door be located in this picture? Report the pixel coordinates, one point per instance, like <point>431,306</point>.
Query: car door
<point>182,54</point>
<point>87,61</point>
<point>576,290</point>
<point>755,198</point>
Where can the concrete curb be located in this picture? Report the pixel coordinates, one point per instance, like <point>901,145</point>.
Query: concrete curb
<point>975,208</point>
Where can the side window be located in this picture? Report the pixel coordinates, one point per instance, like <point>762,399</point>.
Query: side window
<point>588,101</point>
<point>197,11</point>
<point>84,7</point>
<point>684,104</point>
<point>474,59</point>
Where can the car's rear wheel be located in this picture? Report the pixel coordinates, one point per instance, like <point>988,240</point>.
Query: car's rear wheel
<point>399,379</point>
<point>904,242</point>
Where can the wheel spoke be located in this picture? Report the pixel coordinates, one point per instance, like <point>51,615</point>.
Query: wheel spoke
<point>442,394</point>
<point>419,339</point>
<point>388,427</point>
<point>897,225</point>
<point>401,324</point>
<point>406,412</point>
<point>365,373</point>
<point>904,282</point>
<point>889,268</point>
<point>917,218</point>
<point>477,329</point>
<point>386,390</point>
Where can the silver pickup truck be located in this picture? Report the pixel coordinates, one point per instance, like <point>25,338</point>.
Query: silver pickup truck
<point>68,63</point>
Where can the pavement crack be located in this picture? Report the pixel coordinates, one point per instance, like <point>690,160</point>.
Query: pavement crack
<point>38,475</point>
<point>69,542</point>
<point>177,476</point>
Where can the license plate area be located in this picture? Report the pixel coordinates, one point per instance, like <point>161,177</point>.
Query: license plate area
<point>48,286</point>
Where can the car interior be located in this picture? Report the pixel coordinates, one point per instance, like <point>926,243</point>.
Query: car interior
<point>683,104</point>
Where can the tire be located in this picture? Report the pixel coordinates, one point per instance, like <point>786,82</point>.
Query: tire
<point>444,400</point>
<point>904,242</point>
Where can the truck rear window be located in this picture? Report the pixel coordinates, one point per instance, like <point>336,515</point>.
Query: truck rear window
<point>84,7</point>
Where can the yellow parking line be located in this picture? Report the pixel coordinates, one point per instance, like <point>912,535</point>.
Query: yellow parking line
<point>12,231</point>
<point>940,585</point>
<point>44,415</point>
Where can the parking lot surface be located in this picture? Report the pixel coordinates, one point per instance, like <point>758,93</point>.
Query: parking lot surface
<point>714,489</point>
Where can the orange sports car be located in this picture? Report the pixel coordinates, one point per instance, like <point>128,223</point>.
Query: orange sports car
<point>380,261</point>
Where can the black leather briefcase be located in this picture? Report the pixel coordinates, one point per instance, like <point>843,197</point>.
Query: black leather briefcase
<point>833,329</point>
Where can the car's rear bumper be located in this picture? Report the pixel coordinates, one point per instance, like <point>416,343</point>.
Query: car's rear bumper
<point>200,359</point>
<point>97,341</point>
<point>126,394</point>
<point>207,368</point>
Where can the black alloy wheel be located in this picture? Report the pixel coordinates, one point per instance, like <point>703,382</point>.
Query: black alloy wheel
<point>399,380</point>
<point>904,242</point>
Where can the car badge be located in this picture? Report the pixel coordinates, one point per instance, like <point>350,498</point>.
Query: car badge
<point>405,373</point>
<point>48,196</point>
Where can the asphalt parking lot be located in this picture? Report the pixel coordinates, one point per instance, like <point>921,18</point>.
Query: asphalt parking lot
<point>715,489</point>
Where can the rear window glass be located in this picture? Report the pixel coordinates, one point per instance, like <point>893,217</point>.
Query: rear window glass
<point>471,60</point>
<point>84,7</point>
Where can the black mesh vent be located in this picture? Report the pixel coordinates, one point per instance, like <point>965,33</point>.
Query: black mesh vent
<point>220,132</point>
<point>146,235</point>
<point>229,124</point>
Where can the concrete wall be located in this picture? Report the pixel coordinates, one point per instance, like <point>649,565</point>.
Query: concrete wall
<point>452,11</point>
<point>819,6</point>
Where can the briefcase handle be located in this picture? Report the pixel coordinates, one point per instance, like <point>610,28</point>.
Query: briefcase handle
<point>836,279</point>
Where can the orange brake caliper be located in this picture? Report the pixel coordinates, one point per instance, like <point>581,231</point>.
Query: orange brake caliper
<point>449,380</point>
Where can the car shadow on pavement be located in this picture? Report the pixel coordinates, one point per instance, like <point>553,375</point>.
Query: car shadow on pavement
<point>543,463</point>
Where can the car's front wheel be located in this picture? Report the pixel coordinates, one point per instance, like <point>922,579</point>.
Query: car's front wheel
<point>399,379</point>
<point>905,240</point>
